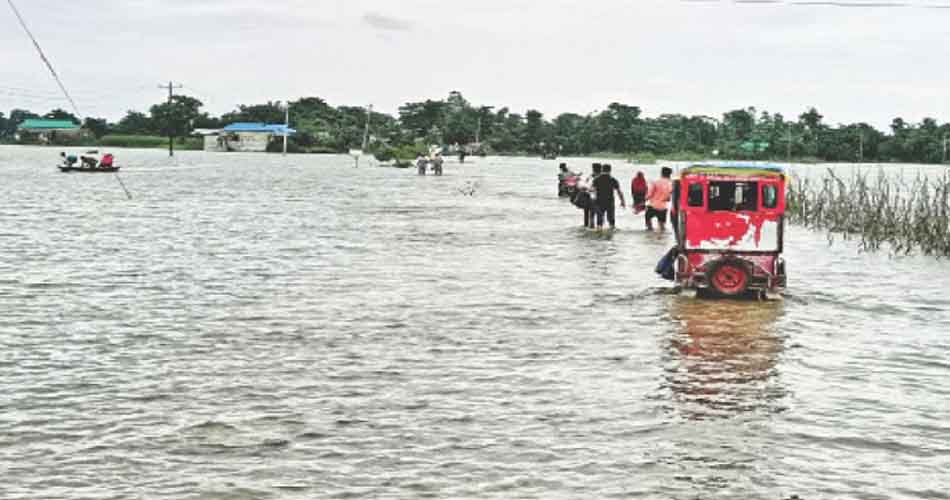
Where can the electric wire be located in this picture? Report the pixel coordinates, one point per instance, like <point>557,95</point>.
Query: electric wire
<point>45,59</point>
<point>62,87</point>
<point>828,3</point>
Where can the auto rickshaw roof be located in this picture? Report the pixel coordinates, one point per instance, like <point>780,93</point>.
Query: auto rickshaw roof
<point>734,170</point>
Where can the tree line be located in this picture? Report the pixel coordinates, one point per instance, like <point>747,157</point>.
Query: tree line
<point>619,129</point>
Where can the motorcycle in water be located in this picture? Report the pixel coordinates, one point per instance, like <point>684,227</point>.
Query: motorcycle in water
<point>567,186</point>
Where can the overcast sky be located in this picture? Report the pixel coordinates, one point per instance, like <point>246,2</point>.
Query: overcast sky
<point>666,56</point>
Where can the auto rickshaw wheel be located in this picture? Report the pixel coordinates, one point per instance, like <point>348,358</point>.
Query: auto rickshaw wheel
<point>729,278</point>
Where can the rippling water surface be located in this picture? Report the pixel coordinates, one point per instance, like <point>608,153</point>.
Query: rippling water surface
<point>252,326</point>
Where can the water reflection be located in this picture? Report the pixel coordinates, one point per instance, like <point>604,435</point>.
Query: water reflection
<point>723,357</point>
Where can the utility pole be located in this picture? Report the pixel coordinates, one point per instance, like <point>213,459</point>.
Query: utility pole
<point>788,145</point>
<point>861,149</point>
<point>171,132</point>
<point>369,116</point>
<point>286,126</point>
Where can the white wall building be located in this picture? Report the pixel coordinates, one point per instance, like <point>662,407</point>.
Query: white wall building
<point>243,137</point>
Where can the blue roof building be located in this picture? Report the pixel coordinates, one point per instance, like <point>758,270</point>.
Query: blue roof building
<point>280,130</point>
<point>244,136</point>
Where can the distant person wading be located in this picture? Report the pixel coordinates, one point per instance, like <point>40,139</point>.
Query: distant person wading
<point>421,164</point>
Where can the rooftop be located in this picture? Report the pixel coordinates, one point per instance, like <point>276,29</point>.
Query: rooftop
<point>279,129</point>
<point>44,124</point>
<point>735,169</point>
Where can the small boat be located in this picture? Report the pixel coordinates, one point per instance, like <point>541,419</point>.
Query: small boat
<point>63,168</point>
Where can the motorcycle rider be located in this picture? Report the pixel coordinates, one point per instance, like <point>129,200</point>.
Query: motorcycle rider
<point>562,176</point>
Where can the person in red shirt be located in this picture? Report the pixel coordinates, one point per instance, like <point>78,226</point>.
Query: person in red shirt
<point>638,187</point>
<point>106,161</point>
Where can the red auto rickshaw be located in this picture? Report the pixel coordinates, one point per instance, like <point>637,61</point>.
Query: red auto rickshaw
<point>730,227</point>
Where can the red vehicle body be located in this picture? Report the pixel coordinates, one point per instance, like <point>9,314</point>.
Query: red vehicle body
<point>730,228</point>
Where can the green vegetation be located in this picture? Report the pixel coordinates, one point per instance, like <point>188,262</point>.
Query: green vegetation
<point>401,154</point>
<point>149,141</point>
<point>620,130</point>
<point>886,210</point>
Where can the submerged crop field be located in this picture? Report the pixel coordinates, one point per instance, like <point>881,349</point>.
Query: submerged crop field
<point>880,210</point>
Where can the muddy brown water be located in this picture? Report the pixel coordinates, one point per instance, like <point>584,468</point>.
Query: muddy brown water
<point>253,326</point>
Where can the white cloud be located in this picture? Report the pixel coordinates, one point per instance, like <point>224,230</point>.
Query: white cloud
<point>386,23</point>
<point>555,56</point>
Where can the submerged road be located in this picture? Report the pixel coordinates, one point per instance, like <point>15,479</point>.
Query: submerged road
<point>254,326</point>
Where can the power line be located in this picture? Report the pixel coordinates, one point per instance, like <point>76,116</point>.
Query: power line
<point>824,3</point>
<point>45,60</point>
<point>58,81</point>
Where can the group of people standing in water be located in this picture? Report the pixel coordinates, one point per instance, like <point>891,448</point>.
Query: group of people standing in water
<point>423,164</point>
<point>594,194</point>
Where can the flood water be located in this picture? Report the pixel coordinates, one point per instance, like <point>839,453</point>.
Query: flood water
<point>261,327</point>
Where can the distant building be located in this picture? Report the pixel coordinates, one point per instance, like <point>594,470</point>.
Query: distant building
<point>43,131</point>
<point>242,137</point>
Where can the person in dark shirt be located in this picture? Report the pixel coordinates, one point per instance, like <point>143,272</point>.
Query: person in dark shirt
<point>590,213</point>
<point>605,185</point>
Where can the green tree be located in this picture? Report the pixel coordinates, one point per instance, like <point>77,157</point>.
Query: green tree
<point>271,112</point>
<point>619,126</point>
<point>97,126</point>
<point>176,118</point>
<point>738,124</point>
<point>61,114</point>
<point>813,129</point>
<point>419,118</point>
<point>136,123</point>
<point>18,116</point>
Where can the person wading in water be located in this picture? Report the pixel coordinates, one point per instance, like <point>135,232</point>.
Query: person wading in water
<point>638,189</point>
<point>605,186</point>
<point>590,213</point>
<point>421,164</point>
<point>657,198</point>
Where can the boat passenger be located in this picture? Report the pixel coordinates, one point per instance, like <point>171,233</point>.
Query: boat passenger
<point>605,185</point>
<point>658,195</point>
<point>69,160</point>
<point>638,188</point>
<point>90,161</point>
<point>106,161</point>
<point>562,175</point>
